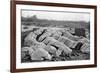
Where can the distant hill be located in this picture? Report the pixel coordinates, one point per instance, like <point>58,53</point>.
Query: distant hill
<point>53,23</point>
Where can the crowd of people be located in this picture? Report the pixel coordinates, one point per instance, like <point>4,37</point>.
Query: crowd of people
<point>48,44</point>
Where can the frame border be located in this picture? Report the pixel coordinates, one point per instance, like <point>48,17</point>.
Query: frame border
<point>13,35</point>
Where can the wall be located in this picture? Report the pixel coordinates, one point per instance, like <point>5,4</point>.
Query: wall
<point>5,36</point>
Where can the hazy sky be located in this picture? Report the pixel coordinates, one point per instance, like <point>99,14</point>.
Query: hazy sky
<point>69,16</point>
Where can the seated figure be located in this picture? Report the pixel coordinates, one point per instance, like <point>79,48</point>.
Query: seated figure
<point>30,39</point>
<point>51,41</point>
<point>40,54</point>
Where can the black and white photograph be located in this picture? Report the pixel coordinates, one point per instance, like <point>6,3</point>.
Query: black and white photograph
<point>51,36</point>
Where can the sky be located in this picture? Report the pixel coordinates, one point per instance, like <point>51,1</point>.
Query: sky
<point>59,15</point>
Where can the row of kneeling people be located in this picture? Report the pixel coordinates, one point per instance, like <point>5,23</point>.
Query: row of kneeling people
<point>52,43</point>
